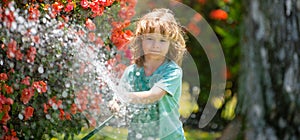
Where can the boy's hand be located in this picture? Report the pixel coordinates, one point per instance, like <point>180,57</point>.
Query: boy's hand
<point>114,106</point>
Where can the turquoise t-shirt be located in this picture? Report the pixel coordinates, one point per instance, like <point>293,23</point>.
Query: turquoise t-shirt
<point>159,119</point>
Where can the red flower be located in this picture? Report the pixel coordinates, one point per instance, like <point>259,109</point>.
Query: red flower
<point>13,132</point>
<point>57,7</point>
<point>120,25</point>
<point>5,118</point>
<point>9,18</point>
<point>194,28</point>
<point>61,114</point>
<point>44,86</point>
<point>69,7</point>
<point>197,18</point>
<point>46,107</point>
<point>6,108</point>
<point>120,39</point>
<point>9,101</point>
<point>96,9</point>
<point>26,95</point>
<point>19,55</point>
<point>61,25</point>
<point>34,12</point>
<point>36,39</point>
<point>12,48</point>
<point>66,18</point>
<point>8,89</point>
<point>91,36</point>
<point>128,53</point>
<point>52,101</point>
<point>25,81</point>
<point>59,103</point>
<point>10,138</point>
<point>93,4</point>
<point>126,13</point>
<point>226,1</point>
<point>3,76</point>
<point>73,108</point>
<point>82,100</point>
<point>90,25</point>
<point>202,1</point>
<point>40,86</point>
<point>127,9</point>
<point>31,52</point>
<point>218,14</point>
<point>99,42</point>
<point>1,10</point>
<point>84,4</point>
<point>92,121</point>
<point>5,128</point>
<point>68,116</point>
<point>106,3</point>
<point>81,32</point>
<point>28,112</point>
<point>2,100</point>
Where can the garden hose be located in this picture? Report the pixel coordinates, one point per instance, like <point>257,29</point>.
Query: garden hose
<point>88,136</point>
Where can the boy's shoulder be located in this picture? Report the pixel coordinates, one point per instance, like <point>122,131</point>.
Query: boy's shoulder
<point>131,67</point>
<point>172,65</point>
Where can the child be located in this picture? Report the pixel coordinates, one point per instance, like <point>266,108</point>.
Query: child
<point>155,78</point>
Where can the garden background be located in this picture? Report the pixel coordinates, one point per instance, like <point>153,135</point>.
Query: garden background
<point>37,66</point>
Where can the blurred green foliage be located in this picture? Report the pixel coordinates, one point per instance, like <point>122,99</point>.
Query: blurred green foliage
<point>228,33</point>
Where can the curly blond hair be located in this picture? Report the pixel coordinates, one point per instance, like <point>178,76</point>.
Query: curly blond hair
<point>168,27</point>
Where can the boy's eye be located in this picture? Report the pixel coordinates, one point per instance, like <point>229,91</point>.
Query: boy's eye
<point>163,40</point>
<point>149,38</point>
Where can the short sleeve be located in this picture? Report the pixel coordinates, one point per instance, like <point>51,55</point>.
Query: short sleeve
<point>171,80</point>
<point>125,75</point>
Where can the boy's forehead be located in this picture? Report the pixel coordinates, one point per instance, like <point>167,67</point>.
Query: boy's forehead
<point>156,35</point>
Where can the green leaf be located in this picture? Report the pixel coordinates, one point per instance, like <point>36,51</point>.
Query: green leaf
<point>230,41</point>
<point>221,31</point>
<point>14,108</point>
<point>1,115</point>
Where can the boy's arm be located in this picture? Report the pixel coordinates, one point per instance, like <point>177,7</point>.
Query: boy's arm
<point>145,97</point>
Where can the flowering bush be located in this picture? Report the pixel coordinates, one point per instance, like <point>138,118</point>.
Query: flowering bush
<point>40,43</point>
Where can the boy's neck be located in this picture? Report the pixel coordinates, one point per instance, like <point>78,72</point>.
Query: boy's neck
<point>151,65</point>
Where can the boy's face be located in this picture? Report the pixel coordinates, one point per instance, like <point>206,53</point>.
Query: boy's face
<point>155,45</point>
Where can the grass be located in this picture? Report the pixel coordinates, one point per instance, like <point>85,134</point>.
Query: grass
<point>196,134</point>
<point>190,134</point>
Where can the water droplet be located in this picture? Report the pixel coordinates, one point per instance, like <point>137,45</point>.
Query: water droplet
<point>65,94</point>
<point>13,26</point>
<point>44,20</point>
<point>54,106</point>
<point>48,117</point>
<point>11,7</point>
<point>57,55</point>
<point>139,136</point>
<point>41,69</point>
<point>20,19</point>
<point>67,85</point>
<point>11,65</point>
<point>20,116</point>
<point>47,16</point>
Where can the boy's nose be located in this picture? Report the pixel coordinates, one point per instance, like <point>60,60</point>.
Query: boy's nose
<point>156,44</point>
